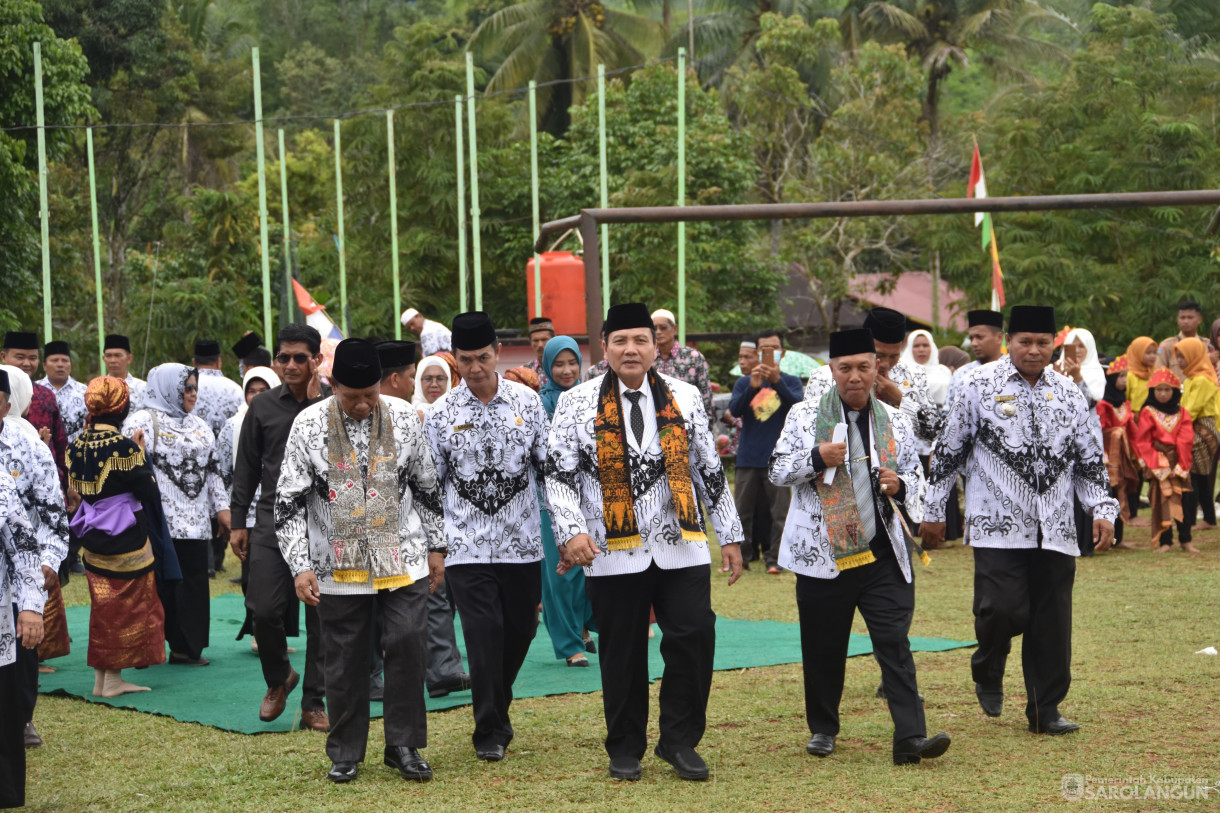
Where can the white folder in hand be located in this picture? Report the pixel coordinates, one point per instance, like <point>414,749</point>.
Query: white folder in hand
<point>839,436</point>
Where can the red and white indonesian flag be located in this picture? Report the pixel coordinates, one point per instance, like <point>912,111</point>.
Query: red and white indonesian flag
<point>978,189</point>
<point>315,317</point>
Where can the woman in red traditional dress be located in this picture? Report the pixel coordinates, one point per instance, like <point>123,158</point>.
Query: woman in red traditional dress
<point>1164,439</point>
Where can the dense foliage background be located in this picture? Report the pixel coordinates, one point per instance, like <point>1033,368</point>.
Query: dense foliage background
<point>788,101</point>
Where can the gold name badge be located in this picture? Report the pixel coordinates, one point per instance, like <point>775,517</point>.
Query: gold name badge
<point>463,427</point>
<point>1000,399</point>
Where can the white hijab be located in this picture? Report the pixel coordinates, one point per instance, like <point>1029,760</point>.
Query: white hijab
<point>263,374</point>
<point>939,375</point>
<point>417,400</point>
<point>21,393</point>
<point>1091,371</point>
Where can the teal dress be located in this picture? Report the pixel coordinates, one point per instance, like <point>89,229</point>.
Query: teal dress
<point>565,606</point>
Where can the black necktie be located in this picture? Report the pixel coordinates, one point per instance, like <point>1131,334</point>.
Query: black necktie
<point>637,416</point>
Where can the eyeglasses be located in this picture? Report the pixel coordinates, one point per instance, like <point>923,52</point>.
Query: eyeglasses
<point>299,358</point>
<point>191,388</point>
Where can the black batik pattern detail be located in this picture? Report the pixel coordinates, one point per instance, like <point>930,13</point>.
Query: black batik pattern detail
<point>715,484</point>
<point>646,470</point>
<point>490,491</point>
<point>189,476</point>
<point>1033,466</point>
<point>285,510</point>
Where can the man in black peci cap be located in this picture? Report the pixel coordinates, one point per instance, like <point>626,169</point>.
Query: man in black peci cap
<point>374,547</point>
<point>1020,433</point>
<point>488,440</point>
<point>69,393</point>
<point>845,542</point>
<point>631,459</point>
<point>985,330</point>
<point>116,354</point>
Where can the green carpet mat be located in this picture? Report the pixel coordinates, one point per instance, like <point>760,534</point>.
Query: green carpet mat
<point>227,693</point>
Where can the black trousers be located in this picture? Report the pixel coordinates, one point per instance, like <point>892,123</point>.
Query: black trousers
<point>268,595</point>
<point>753,490</point>
<point>1025,592</point>
<point>347,625</point>
<point>187,603</point>
<point>498,604</point>
<point>26,673</point>
<point>682,600</point>
<point>15,712</point>
<point>826,608</point>
<point>1204,486</point>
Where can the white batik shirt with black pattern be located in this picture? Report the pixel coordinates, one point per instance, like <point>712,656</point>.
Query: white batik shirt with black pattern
<point>490,458</point>
<point>302,500</point>
<point>805,547</point>
<point>924,416</point>
<point>955,383</point>
<point>222,457</point>
<point>135,393</point>
<point>21,571</point>
<point>1024,450</point>
<point>434,338</point>
<point>71,400</point>
<point>575,493</point>
<point>180,450</point>
<point>32,467</point>
<point>219,399</point>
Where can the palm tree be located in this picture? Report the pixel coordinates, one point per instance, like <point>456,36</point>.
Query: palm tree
<point>552,41</point>
<point>943,33</point>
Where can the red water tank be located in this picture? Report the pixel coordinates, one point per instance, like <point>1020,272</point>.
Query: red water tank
<point>563,291</point>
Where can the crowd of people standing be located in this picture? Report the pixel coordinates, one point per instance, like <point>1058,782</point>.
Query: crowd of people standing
<point>396,492</point>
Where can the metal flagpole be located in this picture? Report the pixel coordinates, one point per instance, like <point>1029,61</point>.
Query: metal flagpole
<point>461,203</point>
<point>286,228</point>
<point>474,186</point>
<point>392,168</point>
<point>97,251</point>
<point>682,194</point>
<point>605,197</point>
<point>44,213</point>
<point>339,222</point>
<point>534,194</point>
<point>264,250</point>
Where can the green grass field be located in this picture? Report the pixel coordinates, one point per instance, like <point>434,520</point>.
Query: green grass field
<point>1145,700</point>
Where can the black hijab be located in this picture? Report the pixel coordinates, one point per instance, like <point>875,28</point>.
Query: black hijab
<point>1114,396</point>
<point>1169,408</point>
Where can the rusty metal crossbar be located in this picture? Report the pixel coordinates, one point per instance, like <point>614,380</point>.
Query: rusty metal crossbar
<point>589,219</point>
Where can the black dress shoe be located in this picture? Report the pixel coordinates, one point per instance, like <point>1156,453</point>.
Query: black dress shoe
<point>991,700</point>
<point>492,753</point>
<point>1062,725</point>
<point>453,683</point>
<point>408,762</point>
<point>687,764</point>
<point>911,750</point>
<point>821,745</point>
<point>625,768</point>
<point>341,772</point>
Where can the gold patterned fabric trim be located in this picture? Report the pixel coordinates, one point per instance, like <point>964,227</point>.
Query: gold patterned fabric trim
<point>132,562</point>
<point>88,463</point>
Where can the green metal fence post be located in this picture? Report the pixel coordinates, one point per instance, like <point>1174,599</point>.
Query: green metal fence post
<point>392,168</point>
<point>97,252</point>
<point>264,250</point>
<point>44,214</point>
<point>605,196</point>
<point>339,218</point>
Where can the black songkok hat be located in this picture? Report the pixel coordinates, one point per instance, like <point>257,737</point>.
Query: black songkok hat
<point>396,354</point>
<point>627,316</point>
<point>985,319</point>
<point>1032,319</point>
<point>473,330</point>
<point>20,340</point>
<point>207,348</point>
<point>356,364</point>
<point>245,345</point>
<point>888,326</point>
<point>116,341</point>
<point>4,387</point>
<point>851,342</point>
<point>56,348</point>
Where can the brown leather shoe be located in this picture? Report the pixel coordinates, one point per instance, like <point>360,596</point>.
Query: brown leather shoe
<point>315,719</point>
<point>277,696</point>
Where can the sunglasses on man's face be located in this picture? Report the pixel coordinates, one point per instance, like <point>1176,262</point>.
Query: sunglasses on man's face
<point>299,358</point>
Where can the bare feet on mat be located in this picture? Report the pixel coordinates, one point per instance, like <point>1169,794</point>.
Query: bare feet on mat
<point>113,685</point>
<point>1189,547</point>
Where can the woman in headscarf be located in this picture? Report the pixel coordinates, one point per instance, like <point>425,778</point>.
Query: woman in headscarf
<point>565,607</point>
<point>953,358</point>
<point>1164,441</point>
<point>1141,363</point>
<point>179,446</point>
<point>1118,430</point>
<point>1201,398</point>
<point>921,351</point>
<point>1213,349</point>
<point>1087,366</point>
<point>433,378</point>
<point>123,540</point>
<point>56,642</point>
<point>224,455</point>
